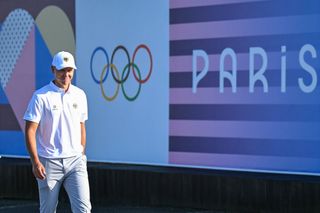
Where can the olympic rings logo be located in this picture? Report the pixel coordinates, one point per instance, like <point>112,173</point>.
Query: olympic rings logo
<point>121,78</point>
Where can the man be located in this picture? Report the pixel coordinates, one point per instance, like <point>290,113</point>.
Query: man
<point>56,138</point>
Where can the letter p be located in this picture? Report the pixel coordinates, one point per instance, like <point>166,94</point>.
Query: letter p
<point>196,78</point>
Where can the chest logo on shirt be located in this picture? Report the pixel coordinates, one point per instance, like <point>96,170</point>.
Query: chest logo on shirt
<point>54,107</point>
<point>75,105</point>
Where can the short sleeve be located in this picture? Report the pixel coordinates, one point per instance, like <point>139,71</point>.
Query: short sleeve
<point>84,112</point>
<point>34,110</point>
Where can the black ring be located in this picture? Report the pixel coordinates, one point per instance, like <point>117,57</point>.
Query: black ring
<point>128,56</point>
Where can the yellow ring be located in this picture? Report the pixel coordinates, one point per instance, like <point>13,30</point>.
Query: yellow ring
<point>101,82</point>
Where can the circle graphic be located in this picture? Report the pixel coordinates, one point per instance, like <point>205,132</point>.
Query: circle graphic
<point>91,61</point>
<point>121,78</point>
<point>101,82</point>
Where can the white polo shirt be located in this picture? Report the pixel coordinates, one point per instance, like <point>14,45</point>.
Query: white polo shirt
<point>58,114</point>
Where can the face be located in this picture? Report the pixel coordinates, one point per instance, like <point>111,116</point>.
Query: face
<point>63,77</point>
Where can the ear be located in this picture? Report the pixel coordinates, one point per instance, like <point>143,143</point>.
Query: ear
<point>52,69</point>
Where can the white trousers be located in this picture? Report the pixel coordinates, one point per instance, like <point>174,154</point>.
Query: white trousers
<point>72,174</point>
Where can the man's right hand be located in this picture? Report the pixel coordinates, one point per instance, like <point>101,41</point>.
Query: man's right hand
<point>39,171</point>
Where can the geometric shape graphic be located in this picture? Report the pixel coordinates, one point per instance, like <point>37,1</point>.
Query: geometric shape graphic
<point>25,60</point>
<point>56,30</point>
<point>22,83</point>
<point>8,120</point>
<point>43,62</point>
<point>3,97</point>
<point>13,35</point>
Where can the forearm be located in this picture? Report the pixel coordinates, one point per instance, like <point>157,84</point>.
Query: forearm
<point>32,149</point>
<point>83,137</point>
<point>38,169</point>
<point>30,137</point>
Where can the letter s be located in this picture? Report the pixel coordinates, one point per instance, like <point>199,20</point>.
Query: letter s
<point>307,88</point>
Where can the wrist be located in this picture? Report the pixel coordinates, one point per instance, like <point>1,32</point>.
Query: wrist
<point>35,162</point>
<point>83,149</point>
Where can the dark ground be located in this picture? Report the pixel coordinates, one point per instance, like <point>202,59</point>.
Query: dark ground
<point>27,206</point>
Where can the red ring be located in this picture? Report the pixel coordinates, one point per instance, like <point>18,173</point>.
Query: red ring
<point>151,64</point>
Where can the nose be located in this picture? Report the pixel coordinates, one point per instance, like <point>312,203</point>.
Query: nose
<point>64,74</point>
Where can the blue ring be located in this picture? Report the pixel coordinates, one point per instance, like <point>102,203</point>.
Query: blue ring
<point>94,52</point>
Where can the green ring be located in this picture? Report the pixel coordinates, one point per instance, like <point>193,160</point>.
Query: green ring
<point>122,84</point>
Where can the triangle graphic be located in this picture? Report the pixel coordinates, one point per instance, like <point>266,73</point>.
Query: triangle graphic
<point>8,119</point>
